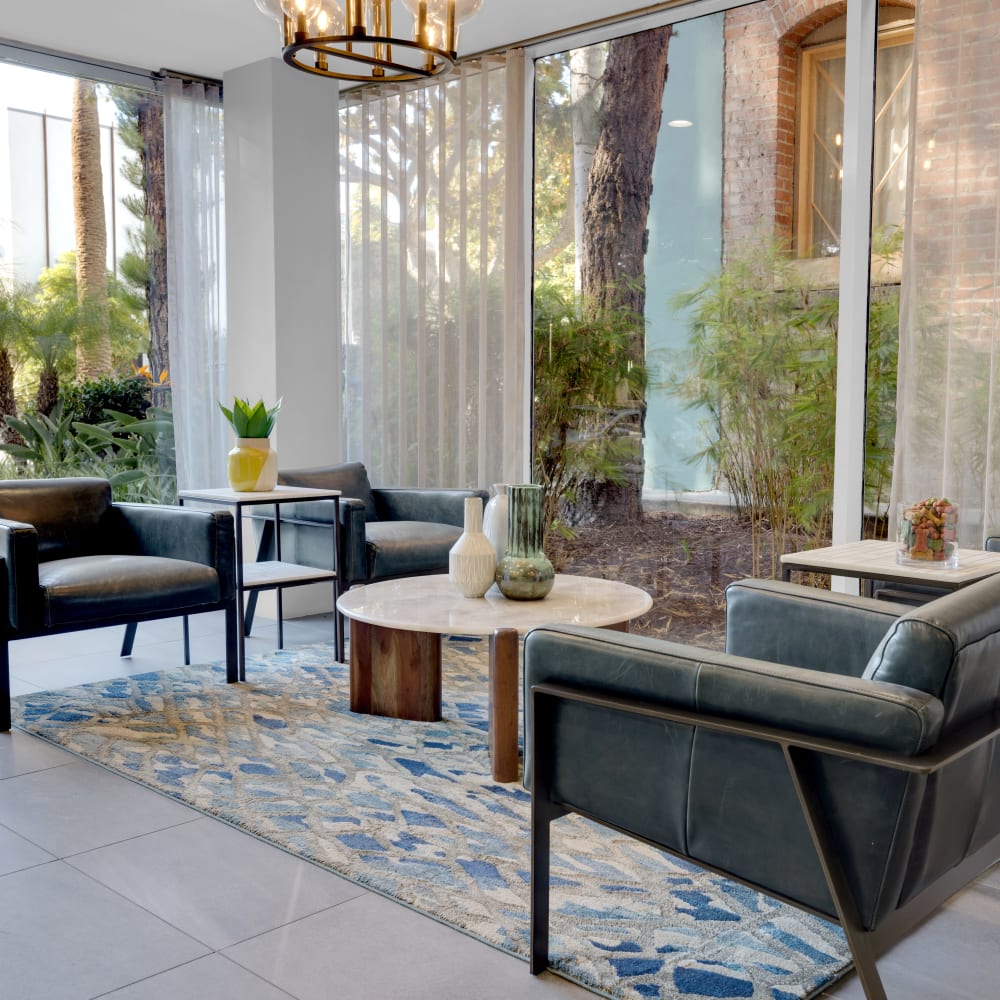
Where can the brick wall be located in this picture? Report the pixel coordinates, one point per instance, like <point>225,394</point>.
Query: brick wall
<point>759,118</point>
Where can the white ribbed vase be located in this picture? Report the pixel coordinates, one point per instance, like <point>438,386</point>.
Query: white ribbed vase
<point>472,561</point>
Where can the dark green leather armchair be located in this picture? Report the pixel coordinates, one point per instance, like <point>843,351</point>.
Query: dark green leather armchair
<point>72,559</point>
<point>843,754</point>
<point>385,533</point>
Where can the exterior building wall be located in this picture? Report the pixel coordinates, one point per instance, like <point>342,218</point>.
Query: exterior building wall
<point>761,110</point>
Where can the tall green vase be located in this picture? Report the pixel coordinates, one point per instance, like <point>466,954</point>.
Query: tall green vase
<point>524,574</point>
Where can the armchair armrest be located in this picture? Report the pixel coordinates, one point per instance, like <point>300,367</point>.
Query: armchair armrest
<point>206,537</point>
<point>19,554</point>
<point>414,504</point>
<point>871,713</point>
<point>805,627</point>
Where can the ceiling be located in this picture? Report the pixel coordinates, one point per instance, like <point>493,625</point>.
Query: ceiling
<point>209,37</point>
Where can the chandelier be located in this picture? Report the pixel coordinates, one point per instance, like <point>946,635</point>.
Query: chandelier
<point>357,43</point>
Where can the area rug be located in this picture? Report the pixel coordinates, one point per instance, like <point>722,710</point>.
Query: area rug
<point>410,810</point>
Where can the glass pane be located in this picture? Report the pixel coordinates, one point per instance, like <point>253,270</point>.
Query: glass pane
<point>892,123</point>
<point>828,156</point>
<point>729,444</point>
<point>77,361</point>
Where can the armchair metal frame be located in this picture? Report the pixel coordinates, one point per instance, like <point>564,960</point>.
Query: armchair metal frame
<point>800,753</point>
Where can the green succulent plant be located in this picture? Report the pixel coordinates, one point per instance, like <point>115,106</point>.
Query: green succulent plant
<point>251,420</point>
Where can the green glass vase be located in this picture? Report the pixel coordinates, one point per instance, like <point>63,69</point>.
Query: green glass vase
<point>524,574</point>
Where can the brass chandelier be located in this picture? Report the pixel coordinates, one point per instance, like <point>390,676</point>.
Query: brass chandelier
<point>357,43</point>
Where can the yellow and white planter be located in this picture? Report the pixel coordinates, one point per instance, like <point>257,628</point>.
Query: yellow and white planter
<point>253,465</point>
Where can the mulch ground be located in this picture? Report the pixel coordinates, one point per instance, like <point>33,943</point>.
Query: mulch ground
<point>684,561</point>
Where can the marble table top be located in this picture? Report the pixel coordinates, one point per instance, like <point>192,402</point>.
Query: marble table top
<point>877,560</point>
<point>435,604</point>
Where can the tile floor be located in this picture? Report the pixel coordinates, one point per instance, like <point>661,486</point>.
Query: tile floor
<point>111,890</point>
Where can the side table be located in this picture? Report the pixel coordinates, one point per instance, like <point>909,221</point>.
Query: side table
<point>273,574</point>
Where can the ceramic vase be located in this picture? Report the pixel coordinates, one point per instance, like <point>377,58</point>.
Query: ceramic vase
<point>253,466</point>
<point>495,519</point>
<point>524,573</point>
<point>472,560</point>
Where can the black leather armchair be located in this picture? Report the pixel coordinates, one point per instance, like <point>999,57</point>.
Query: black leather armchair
<point>843,754</point>
<point>385,533</point>
<point>72,559</point>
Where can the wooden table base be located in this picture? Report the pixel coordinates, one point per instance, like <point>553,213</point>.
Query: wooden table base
<point>397,673</point>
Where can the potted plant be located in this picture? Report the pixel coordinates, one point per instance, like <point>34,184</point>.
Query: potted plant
<point>253,463</point>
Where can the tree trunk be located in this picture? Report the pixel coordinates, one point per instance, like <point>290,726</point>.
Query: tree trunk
<point>150,127</point>
<point>586,67</point>
<point>8,402</point>
<point>48,391</point>
<point>615,236</point>
<point>93,343</point>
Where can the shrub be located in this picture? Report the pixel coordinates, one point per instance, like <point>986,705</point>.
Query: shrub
<point>86,402</point>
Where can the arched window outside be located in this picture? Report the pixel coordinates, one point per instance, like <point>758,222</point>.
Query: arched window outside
<point>821,130</point>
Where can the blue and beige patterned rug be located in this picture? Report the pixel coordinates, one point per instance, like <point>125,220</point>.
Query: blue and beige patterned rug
<point>410,810</point>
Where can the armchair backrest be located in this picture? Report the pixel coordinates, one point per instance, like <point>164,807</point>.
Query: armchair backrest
<point>949,648</point>
<point>69,515</point>
<point>351,478</point>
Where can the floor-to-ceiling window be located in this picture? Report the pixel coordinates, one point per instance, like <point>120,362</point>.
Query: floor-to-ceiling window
<point>738,215</point>
<point>91,166</point>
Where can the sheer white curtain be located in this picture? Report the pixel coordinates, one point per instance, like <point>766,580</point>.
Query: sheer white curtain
<point>434,289</point>
<point>948,415</point>
<point>196,296</point>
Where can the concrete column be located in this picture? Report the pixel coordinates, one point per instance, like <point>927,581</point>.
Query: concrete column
<point>283,260</point>
<point>283,267</point>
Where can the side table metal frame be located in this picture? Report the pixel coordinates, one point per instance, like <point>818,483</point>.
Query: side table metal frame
<point>256,576</point>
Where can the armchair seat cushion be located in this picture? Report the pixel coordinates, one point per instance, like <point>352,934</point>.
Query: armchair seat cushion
<point>85,589</point>
<point>408,548</point>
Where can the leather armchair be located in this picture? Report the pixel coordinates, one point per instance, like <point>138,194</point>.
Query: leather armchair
<point>385,533</point>
<point>72,559</point>
<point>841,755</point>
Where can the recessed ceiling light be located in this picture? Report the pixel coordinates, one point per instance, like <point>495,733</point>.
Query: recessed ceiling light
<point>680,123</point>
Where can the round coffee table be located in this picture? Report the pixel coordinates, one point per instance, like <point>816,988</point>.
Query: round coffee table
<point>395,647</point>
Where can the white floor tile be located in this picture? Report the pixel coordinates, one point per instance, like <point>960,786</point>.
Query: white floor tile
<point>954,955</point>
<point>213,882</point>
<point>372,948</point>
<point>211,978</point>
<point>79,806</point>
<point>64,936</point>
<point>22,754</point>
<point>16,853</point>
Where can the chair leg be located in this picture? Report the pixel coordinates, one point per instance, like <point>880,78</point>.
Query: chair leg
<point>128,640</point>
<point>4,687</point>
<point>234,669</point>
<point>859,940</point>
<point>543,812</point>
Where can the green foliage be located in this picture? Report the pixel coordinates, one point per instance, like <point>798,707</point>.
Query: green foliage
<point>135,454</point>
<point>584,383</point>
<point>87,402</point>
<point>762,363</point>
<point>251,420</point>
<point>127,324</point>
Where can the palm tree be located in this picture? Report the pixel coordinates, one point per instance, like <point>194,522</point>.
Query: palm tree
<point>11,328</point>
<point>93,345</point>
